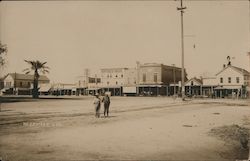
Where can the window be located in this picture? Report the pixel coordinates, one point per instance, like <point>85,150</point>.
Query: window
<point>192,83</point>
<point>229,79</point>
<point>21,84</point>
<point>107,76</point>
<point>144,77</point>
<point>122,75</point>
<point>237,80</point>
<point>155,77</point>
<point>29,84</point>
<point>221,80</point>
<point>8,84</point>
<point>116,76</point>
<point>108,83</point>
<point>116,82</point>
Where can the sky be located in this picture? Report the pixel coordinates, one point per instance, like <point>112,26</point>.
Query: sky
<point>73,35</point>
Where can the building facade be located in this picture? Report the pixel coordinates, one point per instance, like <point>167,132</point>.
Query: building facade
<point>21,84</point>
<point>156,79</point>
<point>193,87</point>
<point>114,79</point>
<point>232,82</point>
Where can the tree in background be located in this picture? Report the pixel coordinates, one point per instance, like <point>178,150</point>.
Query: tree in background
<point>38,67</point>
<point>3,51</point>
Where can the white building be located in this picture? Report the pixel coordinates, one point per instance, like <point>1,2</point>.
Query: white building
<point>232,81</point>
<point>114,80</point>
<point>21,84</point>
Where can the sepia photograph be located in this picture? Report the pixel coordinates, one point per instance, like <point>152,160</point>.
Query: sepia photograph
<point>132,80</point>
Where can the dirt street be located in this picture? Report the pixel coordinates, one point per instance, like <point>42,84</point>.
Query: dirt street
<point>151,128</point>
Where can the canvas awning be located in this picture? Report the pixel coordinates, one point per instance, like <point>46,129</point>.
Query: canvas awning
<point>92,89</point>
<point>150,85</point>
<point>227,87</point>
<point>44,89</point>
<point>4,89</point>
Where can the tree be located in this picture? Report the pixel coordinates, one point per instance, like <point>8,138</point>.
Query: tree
<point>38,67</point>
<point>3,50</point>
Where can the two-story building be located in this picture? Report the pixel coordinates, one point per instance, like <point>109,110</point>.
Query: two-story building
<point>158,79</point>
<point>114,79</point>
<point>232,82</point>
<point>21,84</point>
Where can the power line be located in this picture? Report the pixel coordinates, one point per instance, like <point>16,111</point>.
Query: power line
<point>132,0</point>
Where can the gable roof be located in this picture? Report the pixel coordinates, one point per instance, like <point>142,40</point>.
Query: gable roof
<point>199,81</point>
<point>237,69</point>
<point>27,77</point>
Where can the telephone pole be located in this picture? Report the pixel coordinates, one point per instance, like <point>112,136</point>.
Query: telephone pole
<point>181,9</point>
<point>174,78</point>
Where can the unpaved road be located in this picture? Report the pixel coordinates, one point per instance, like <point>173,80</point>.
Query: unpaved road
<point>155,128</point>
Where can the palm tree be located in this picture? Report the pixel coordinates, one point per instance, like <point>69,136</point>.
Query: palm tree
<point>37,67</point>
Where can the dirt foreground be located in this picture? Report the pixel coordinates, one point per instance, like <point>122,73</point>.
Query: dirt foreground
<point>138,129</point>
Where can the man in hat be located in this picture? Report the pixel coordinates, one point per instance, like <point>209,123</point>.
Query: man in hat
<point>106,101</point>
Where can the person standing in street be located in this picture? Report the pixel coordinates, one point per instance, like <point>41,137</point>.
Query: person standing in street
<point>97,104</point>
<point>106,101</point>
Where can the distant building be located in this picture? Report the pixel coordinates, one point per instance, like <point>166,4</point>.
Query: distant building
<point>209,83</point>
<point>130,81</point>
<point>113,79</point>
<point>193,87</point>
<point>87,84</point>
<point>21,84</point>
<point>61,89</point>
<point>94,85</point>
<point>232,81</point>
<point>158,79</point>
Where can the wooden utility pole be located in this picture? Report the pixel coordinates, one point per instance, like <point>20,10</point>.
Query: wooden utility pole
<point>174,78</point>
<point>181,9</point>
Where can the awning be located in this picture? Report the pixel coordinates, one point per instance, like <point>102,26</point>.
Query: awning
<point>150,85</point>
<point>44,89</point>
<point>111,86</point>
<point>227,87</point>
<point>4,89</point>
<point>92,89</point>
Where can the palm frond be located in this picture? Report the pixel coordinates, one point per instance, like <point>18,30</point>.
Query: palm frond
<point>37,67</point>
<point>27,69</point>
<point>27,72</point>
<point>3,48</point>
<point>42,64</point>
<point>45,71</point>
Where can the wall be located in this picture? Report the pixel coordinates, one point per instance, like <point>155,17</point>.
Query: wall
<point>229,72</point>
<point>149,71</point>
<point>112,77</point>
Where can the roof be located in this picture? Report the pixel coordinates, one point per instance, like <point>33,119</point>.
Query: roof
<point>103,70</point>
<point>27,77</point>
<point>44,87</point>
<point>240,70</point>
<point>194,79</point>
<point>158,65</point>
<point>63,86</point>
<point>243,71</point>
<point>227,87</point>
